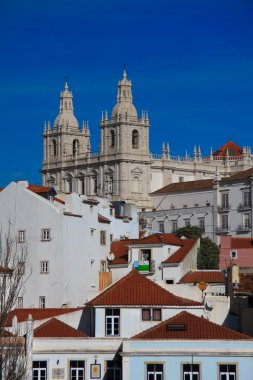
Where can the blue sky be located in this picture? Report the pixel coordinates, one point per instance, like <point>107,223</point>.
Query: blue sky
<point>190,62</point>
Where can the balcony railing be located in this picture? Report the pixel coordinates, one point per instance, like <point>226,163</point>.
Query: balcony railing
<point>224,208</point>
<point>223,230</point>
<point>244,206</point>
<point>243,228</point>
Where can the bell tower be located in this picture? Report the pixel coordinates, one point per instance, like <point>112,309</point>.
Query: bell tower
<point>124,146</point>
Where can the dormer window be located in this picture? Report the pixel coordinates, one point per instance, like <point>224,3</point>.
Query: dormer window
<point>112,322</point>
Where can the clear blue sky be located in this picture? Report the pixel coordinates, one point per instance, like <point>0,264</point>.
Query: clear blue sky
<point>190,62</point>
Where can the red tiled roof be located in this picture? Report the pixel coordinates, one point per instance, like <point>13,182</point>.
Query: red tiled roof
<point>171,239</point>
<point>246,283</point>
<point>204,184</point>
<point>39,189</point>
<point>103,219</point>
<point>215,277</point>
<point>230,147</point>
<point>182,252</point>
<point>196,328</point>
<point>237,243</point>
<point>135,289</point>
<point>38,314</point>
<point>57,329</point>
<point>59,200</point>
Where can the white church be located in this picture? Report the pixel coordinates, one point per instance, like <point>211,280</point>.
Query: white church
<point>123,169</point>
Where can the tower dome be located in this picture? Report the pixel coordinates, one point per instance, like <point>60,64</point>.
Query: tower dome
<point>66,115</point>
<point>124,105</point>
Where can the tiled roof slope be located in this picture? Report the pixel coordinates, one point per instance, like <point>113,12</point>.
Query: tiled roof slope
<point>57,329</point>
<point>196,328</point>
<point>204,184</point>
<point>39,189</point>
<point>182,252</point>
<point>135,289</point>
<point>103,219</point>
<point>38,314</point>
<point>240,175</point>
<point>237,243</point>
<point>120,250</point>
<point>215,277</point>
<point>231,148</point>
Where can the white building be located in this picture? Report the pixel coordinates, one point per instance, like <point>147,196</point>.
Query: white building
<point>123,169</point>
<point>68,238</point>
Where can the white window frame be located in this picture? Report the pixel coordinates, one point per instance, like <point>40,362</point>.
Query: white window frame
<point>46,234</point>
<point>21,236</point>
<point>114,321</point>
<point>227,373</point>
<point>44,267</point>
<point>20,303</point>
<point>155,374</point>
<point>80,371</point>
<point>42,302</point>
<point>233,254</point>
<point>190,373</point>
<point>41,371</point>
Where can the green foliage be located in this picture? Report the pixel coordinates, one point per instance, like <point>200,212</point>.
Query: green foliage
<point>190,232</point>
<point>208,254</point>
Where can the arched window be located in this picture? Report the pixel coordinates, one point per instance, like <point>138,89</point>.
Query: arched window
<point>112,142</point>
<point>135,139</point>
<point>54,148</point>
<point>75,148</point>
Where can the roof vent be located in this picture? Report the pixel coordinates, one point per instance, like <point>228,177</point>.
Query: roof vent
<point>178,327</point>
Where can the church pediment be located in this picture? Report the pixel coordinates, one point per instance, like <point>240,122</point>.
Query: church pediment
<point>137,171</point>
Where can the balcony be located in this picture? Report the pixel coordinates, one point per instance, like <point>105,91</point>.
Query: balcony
<point>223,230</point>
<point>244,206</point>
<point>145,266</point>
<point>224,208</point>
<point>243,228</point>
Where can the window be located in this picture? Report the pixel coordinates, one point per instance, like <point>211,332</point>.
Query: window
<point>21,236</point>
<point>46,235</point>
<point>42,302</point>
<point>174,226</point>
<point>75,148</point>
<point>39,370</point>
<point>112,319</point>
<point>169,282</point>
<point>185,206</point>
<point>21,268</point>
<point>246,220</point>
<point>111,238</point>
<point>20,303</point>
<point>135,139</point>
<point>77,369</point>
<point>112,138</point>
<point>191,372</point>
<point>103,237</point>
<point>68,185</point>
<point>246,198</point>
<point>151,314</point>
<point>187,222</point>
<point>154,371</point>
<point>44,267</point>
<point>202,224</point>
<point>227,372</point>
<point>181,179</point>
<point>161,227</point>
<point>111,211</point>
<point>102,266</point>
<point>225,200</point>
<point>83,185</point>
<point>113,370</point>
<point>94,184</point>
<point>224,221</point>
<point>54,148</point>
<point>233,254</point>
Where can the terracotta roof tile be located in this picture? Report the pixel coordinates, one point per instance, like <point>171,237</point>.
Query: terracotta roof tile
<point>39,189</point>
<point>182,252</point>
<point>120,250</point>
<point>38,314</point>
<point>237,243</point>
<point>230,147</point>
<point>245,174</point>
<point>215,277</point>
<point>135,289</point>
<point>205,184</point>
<point>103,219</point>
<point>57,329</point>
<point>195,328</point>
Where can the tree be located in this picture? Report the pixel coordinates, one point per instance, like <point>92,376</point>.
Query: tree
<point>13,275</point>
<point>208,254</point>
<point>190,232</point>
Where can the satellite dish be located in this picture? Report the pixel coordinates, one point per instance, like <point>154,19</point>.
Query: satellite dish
<point>111,256</point>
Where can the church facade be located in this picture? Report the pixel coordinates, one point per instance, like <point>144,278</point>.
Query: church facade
<point>123,169</point>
